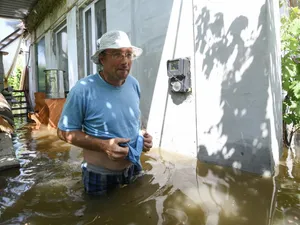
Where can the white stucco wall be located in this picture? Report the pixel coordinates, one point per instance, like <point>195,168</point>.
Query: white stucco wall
<point>232,116</point>
<point>238,78</point>
<point>235,75</point>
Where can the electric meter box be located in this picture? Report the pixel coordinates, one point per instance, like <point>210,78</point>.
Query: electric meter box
<point>179,73</point>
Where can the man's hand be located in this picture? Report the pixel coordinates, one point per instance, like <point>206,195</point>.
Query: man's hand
<point>114,150</point>
<point>111,146</point>
<point>147,141</point>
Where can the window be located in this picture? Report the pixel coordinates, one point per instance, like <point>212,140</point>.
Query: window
<point>41,64</point>
<point>100,12</point>
<point>94,25</point>
<point>61,52</point>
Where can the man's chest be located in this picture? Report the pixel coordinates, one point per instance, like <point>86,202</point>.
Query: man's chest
<point>113,108</point>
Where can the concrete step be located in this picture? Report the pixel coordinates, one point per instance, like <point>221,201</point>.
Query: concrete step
<point>7,155</point>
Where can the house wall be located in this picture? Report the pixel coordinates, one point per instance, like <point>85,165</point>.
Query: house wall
<point>232,116</point>
<point>65,13</point>
<point>238,83</point>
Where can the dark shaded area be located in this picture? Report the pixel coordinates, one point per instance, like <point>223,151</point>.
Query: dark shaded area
<point>178,98</point>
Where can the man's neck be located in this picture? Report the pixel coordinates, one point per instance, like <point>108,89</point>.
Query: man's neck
<point>108,79</point>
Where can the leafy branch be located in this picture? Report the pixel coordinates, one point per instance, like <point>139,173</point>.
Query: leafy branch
<point>290,47</point>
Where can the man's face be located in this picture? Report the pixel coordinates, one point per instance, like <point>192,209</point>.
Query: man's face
<point>117,62</point>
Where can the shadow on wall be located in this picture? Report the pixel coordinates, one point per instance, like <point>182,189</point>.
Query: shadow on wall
<point>244,90</point>
<point>178,98</point>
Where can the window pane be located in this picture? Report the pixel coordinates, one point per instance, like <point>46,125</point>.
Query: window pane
<point>41,65</point>
<point>88,39</point>
<point>100,18</point>
<point>62,54</point>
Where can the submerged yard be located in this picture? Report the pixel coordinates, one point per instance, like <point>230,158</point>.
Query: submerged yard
<point>47,189</point>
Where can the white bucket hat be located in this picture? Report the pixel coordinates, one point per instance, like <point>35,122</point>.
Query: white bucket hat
<point>114,40</point>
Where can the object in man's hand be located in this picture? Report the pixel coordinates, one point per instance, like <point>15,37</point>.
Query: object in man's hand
<point>123,144</point>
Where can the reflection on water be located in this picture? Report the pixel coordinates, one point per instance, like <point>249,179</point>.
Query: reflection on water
<point>47,189</point>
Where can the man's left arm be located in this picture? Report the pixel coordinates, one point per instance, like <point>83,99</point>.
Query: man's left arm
<point>147,141</point>
<point>147,137</point>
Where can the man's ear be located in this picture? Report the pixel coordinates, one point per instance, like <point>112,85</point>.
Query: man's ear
<point>101,58</point>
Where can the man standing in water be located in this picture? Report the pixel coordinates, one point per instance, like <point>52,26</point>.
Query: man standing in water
<point>102,116</point>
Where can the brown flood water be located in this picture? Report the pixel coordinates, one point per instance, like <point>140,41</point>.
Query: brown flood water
<point>175,190</point>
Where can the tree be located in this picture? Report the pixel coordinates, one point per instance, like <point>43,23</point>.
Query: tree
<point>290,66</point>
<point>14,80</point>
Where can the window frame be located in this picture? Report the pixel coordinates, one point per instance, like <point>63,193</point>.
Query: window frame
<point>56,30</point>
<point>94,27</point>
<point>63,25</point>
<point>37,62</point>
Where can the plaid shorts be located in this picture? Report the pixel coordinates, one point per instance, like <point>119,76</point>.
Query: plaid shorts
<point>101,183</point>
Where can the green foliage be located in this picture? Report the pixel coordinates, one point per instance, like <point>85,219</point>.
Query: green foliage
<point>14,79</point>
<point>290,65</point>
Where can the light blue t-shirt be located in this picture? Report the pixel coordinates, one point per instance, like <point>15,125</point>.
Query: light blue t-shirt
<point>105,111</point>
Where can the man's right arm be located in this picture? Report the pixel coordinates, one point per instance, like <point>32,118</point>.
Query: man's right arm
<point>82,140</point>
<point>110,147</point>
<point>71,119</point>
